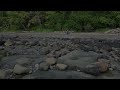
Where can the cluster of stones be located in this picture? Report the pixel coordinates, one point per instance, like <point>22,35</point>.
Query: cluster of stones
<point>20,68</point>
<point>113,31</point>
<point>55,50</point>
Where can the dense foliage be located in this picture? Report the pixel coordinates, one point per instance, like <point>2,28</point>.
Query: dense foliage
<point>58,20</point>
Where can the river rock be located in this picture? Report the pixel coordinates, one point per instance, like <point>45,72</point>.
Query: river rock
<point>61,66</point>
<point>8,43</point>
<point>43,66</point>
<point>18,69</point>
<point>51,61</point>
<point>24,61</point>
<point>2,74</point>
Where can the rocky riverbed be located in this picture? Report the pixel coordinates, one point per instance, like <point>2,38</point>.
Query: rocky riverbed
<point>59,56</point>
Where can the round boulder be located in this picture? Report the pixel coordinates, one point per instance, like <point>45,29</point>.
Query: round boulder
<point>51,61</point>
<point>43,66</point>
<point>61,66</point>
<point>18,69</point>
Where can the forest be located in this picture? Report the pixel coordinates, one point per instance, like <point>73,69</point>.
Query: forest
<point>47,21</point>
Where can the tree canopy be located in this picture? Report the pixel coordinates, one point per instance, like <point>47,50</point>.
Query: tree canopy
<point>85,21</point>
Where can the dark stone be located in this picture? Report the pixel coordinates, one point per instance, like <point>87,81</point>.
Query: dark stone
<point>2,43</point>
<point>44,51</point>
<point>92,69</point>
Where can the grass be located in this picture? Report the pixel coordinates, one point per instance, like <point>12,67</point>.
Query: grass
<point>35,29</point>
<point>40,29</point>
<point>10,30</point>
<point>102,30</point>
